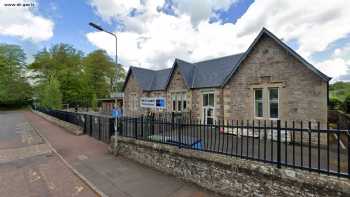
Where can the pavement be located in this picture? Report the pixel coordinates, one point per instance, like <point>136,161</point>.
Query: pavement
<point>29,166</point>
<point>113,176</point>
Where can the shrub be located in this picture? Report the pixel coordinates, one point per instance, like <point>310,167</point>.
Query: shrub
<point>334,103</point>
<point>346,104</point>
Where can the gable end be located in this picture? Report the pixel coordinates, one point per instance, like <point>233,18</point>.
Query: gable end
<point>263,32</point>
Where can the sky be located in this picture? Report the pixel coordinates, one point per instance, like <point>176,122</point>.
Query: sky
<point>152,33</point>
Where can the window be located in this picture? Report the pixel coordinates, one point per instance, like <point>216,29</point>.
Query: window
<point>208,108</point>
<point>258,94</point>
<point>174,102</point>
<point>208,99</point>
<point>179,102</point>
<point>211,100</point>
<point>184,100</point>
<point>273,102</point>
<point>205,99</point>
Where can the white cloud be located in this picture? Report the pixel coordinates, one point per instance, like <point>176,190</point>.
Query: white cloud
<point>334,68</point>
<point>153,38</point>
<point>20,21</point>
<point>114,8</point>
<point>200,10</point>
<point>343,52</point>
<point>338,65</point>
<point>313,23</point>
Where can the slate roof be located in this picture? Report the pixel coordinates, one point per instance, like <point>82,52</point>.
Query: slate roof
<point>212,73</point>
<point>150,80</point>
<point>206,74</point>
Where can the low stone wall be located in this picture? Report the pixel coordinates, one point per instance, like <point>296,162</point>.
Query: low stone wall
<point>229,175</point>
<point>76,130</point>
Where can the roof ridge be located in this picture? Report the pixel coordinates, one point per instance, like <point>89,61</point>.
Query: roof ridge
<point>141,68</point>
<point>219,58</point>
<point>147,69</point>
<point>177,59</point>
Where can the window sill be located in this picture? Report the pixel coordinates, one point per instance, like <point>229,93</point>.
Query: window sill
<point>263,118</point>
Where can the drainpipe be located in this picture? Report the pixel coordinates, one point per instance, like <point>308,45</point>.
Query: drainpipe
<point>327,103</point>
<point>327,94</point>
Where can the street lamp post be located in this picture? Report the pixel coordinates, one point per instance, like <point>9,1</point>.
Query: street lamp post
<point>116,45</point>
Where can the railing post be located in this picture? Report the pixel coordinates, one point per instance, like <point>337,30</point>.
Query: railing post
<point>141,126</point>
<point>91,122</point>
<point>348,153</point>
<point>111,129</point>
<point>179,131</point>
<point>152,123</point>
<point>85,121</point>
<point>279,143</point>
<point>172,120</point>
<point>135,128</point>
<point>116,126</point>
<point>99,128</point>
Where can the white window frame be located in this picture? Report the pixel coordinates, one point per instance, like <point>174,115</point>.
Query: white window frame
<point>173,98</point>
<point>184,99</point>
<point>179,96</point>
<point>262,101</point>
<point>208,106</point>
<point>278,103</point>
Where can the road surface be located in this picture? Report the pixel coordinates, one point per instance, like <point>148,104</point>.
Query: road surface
<point>29,167</point>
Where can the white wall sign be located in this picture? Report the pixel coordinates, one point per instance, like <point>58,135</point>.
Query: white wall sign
<point>153,102</point>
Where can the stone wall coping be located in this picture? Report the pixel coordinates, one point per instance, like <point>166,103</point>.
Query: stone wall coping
<point>251,167</point>
<point>74,129</point>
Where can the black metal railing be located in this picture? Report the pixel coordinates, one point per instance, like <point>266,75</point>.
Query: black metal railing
<point>100,127</point>
<point>307,146</point>
<point>303,145</point>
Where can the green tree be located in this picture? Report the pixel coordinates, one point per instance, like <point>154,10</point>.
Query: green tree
<point>79,77</point>
<point>51,96</point>
<point>339,90</point>
<point>98,67</point>
<point>14,87</point>
<point>334,103</point>
<point>100,74</point>
<point>94,102</point>
<point>62,62</point>
<point>121,74</point>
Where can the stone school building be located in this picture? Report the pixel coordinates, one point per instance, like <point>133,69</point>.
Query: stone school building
<point>269,81</point>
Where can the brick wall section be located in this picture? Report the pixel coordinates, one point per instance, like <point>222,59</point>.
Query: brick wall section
<point>303,95</point>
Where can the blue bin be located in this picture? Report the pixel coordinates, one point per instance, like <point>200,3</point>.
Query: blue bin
<point>186,142</point>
